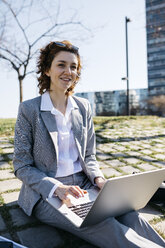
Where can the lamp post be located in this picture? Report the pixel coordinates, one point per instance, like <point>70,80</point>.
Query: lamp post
<point>127,71</point>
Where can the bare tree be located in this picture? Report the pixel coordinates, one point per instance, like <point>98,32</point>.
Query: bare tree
<point>157,104</point>
<point>26,25</point>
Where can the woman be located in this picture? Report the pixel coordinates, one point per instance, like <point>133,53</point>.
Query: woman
<point>55,153</point>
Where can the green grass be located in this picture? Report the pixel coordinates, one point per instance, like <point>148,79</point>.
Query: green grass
<point>105,119</point>
<point>123,121</point>
<point>7,127</point>
<point>101,122</point>
<point>155,220</point>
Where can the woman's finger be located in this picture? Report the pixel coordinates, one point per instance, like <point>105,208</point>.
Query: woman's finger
<point>73,191</point>
<point>63,190</point>
<point>80,190</point>
<point>76,191</point>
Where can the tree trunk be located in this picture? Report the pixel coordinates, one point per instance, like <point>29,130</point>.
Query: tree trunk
<point>20,89</point>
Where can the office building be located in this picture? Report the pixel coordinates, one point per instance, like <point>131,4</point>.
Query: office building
<point>155,28</point>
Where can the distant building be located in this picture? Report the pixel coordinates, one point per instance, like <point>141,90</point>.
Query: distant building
<point>155,27</point>
<point>108,103</point>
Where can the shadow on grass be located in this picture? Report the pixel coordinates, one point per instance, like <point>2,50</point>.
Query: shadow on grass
<point>125,139</point>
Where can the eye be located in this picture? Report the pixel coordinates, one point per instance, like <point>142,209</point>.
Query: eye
<point>61,65</point>
<point>74,67</point>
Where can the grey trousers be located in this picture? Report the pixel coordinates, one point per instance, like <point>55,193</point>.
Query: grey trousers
<point>127,231</point>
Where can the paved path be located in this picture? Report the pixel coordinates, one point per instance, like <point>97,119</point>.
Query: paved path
<point>142,150</point>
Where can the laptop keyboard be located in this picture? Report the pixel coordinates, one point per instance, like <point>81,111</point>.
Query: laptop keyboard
<point>82,209</point>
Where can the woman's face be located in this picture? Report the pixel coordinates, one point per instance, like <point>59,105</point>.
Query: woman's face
<point>63,71</point>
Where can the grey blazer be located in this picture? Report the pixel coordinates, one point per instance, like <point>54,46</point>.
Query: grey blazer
<point>36,149</point>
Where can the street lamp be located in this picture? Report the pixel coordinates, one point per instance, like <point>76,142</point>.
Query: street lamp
<point>127,100</point>
<point>127,72</point>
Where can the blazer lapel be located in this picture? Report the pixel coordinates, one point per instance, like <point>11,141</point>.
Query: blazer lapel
<point>77,128</point>
<point>51,126</point>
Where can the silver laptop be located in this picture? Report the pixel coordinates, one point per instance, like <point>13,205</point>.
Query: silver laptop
<point>118,196</point>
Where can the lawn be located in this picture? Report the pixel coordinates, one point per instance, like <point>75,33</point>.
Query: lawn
<point>101,122</point>
<point>7,127</point>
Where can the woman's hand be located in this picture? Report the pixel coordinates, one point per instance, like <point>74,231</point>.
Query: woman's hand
<point>100,181</point>
<point>63,190</point>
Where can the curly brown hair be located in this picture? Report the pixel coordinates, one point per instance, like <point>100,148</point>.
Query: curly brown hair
<point>45,59</point>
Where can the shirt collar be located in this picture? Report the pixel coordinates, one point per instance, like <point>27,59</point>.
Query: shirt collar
<point>46,104</point>
<point>71,103</point>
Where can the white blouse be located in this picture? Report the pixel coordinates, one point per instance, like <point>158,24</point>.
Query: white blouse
<point>68,161</point>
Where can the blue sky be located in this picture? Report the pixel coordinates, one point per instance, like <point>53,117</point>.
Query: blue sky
<point>103,55</point>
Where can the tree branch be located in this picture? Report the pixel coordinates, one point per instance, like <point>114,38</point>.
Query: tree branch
<point>12,54</point>
<point>16,19</point>
<point>2,27</point>
<point>45,34</point>
<point>23,6</point>
<point>34,22</point>
<point>26,62</point>
<point>12,63</point>
<point>30,72</point>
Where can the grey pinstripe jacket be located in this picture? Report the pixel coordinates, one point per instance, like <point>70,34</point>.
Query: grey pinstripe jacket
<point>36,149</point>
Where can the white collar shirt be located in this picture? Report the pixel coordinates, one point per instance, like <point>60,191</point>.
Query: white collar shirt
<point>68,161</point>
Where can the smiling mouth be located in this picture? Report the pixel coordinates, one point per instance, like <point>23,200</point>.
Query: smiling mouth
<point>66,79</point>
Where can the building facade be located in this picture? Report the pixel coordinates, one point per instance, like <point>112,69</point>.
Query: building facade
<point>114,103</point>
<point>155,29</point>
